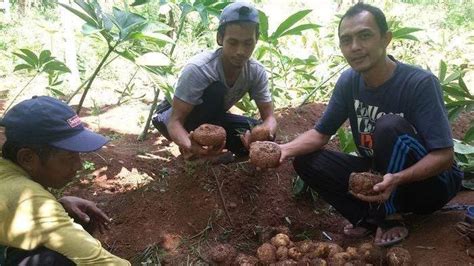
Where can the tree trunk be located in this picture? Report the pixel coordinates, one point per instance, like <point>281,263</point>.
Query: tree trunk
<point>69,45</point>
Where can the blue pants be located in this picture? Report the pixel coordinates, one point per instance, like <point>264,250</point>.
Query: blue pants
<point>37,257</point>
<point>212,111</point>
<point>396,147</point>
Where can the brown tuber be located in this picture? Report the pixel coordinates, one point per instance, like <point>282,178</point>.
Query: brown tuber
<point>266,253</point>
<point>286,263</point>
<point>282,253</point>
<point>371,253</point>
<point>245,260</point>
<point>363,183</point>
<point>265,154</point>
<point>294,253</point>
<point>209,135</point>
<point>222,253</point>
<point>398,256</point>
<point>280,240</point>
<point>259,133</point>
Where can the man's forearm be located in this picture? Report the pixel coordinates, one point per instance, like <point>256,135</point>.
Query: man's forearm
<point>432,164</point>
<point>178,134</point>
<point>305,143</point>
<point>270,123</point>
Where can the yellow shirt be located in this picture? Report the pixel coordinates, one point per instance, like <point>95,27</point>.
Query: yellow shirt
<point>31,217</point>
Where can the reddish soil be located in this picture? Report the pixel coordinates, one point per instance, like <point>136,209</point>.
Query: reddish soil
<point>180,210</point>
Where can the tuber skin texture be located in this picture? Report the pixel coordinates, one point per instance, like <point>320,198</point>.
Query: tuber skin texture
<point>363,183</point>
<point>265,154</point>
<point>266,253</point>
<point>222,253</point>
<point>398,256</point>
<point>209,135</point>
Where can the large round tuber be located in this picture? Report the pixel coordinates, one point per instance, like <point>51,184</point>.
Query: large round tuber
<point>209,135</point>
<point>363,183</point>
<point>265,154</point>
<point>266,253</point>
<point>398,256</point>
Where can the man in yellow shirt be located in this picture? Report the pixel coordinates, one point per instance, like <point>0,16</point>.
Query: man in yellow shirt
<point>43,140</point>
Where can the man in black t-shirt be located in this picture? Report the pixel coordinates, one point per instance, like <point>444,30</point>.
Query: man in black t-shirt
<point>399,124</point>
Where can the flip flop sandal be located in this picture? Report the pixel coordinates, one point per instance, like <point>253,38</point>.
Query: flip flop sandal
<point>365,227</point>
<point>387,225</point>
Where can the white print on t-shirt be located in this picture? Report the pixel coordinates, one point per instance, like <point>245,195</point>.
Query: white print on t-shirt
<point>367,115</point>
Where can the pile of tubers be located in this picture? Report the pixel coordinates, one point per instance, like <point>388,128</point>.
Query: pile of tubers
<point>282,251</point>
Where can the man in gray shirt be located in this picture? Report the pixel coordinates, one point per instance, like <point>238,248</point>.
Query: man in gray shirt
<point>212,82</point>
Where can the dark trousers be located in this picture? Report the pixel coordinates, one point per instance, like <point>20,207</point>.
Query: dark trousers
<point>211,111</point>
<point>37,257</point>
<point>396,147</point>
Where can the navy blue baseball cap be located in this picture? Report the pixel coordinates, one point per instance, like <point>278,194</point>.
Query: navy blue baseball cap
<point>239,11</point>
<point>46,120</point>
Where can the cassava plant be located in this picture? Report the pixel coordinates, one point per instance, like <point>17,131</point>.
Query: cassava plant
<point>39,64</point>
<point>120,27</point>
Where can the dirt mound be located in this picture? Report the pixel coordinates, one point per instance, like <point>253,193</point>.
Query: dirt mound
<point>167,209</point>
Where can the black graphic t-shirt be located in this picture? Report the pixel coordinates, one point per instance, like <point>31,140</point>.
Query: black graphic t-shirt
<point>411,92</point>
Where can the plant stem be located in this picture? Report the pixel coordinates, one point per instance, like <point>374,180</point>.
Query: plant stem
<point>178,34</point>
<point>324,82</point>
<point>122,95</point>
<point>18,94</point>
<point>89,84</point>
<point>142,136</point>
<point>87,80</point>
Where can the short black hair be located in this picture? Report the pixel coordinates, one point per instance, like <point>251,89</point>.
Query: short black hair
<point>10,150</point>
<point>221,29</point>
<point>375,11</point>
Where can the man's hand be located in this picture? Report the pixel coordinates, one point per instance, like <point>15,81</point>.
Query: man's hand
<point>195,150</point>
<point>86,213</point>
<point>385,188</point>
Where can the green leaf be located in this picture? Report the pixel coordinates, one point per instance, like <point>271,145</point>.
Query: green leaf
<point>463,86</point>
<point>263,25</point>
<point>289,22</point>
<point>462,148</point>
<point>454,76</point>
<point>45,56</point>
<point>139,2</point>
<point>455,91</point>
<point>127,22</point>
<point>27,60</point>
<point>469,136</point>
<point>460,103</point>
<point>32,56</point>
<point>454,112</point>
<point>299,29</point>
<point>185,8</point>
<point>56,92</point>
<point>56,66</point>
<point>298,187</point>
<point>23,66</point>
<point>442,71</point>
<point>88,29</point>
<point>404,33</point>
<point>156,37</point>
<point>81,15</point>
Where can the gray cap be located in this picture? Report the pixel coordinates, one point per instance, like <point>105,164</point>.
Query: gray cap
<point>239,11</point>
